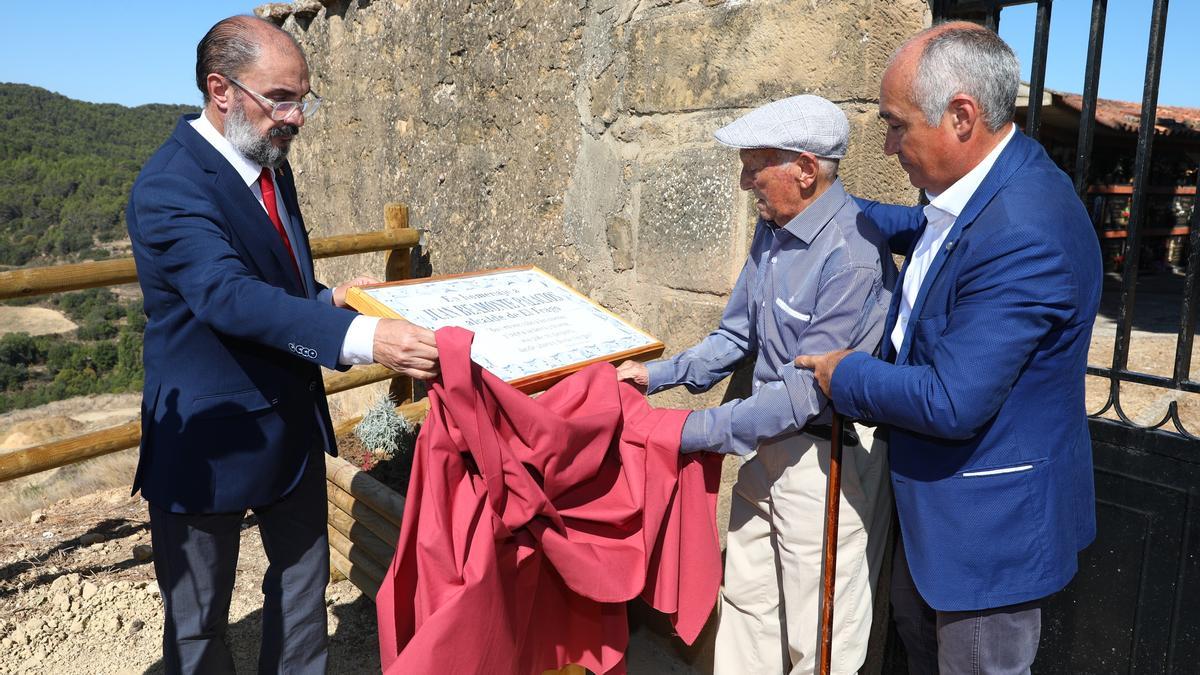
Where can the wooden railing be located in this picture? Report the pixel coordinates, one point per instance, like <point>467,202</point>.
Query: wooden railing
<point>364,515</point>
<point>34,281</point>
<point>27,461</point>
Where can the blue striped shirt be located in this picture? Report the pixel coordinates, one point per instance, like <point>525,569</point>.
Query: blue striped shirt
<point>820,283</point>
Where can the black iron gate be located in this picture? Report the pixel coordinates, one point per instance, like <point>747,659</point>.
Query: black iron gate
<point>1135,604</point>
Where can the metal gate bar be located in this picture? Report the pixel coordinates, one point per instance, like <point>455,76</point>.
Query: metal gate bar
<point>1141,177</point>
<point>1091,87</point>
<point>1037,72</point>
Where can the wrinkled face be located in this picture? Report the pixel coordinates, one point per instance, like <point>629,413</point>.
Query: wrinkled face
<point>279,74</point>
<point>926,153</point>
<point>778,196</point>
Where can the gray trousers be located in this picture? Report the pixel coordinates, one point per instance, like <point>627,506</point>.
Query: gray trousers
<point>195,558</point>
<point>996,641</point>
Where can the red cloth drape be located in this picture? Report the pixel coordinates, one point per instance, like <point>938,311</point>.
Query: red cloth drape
<point>530,522</point>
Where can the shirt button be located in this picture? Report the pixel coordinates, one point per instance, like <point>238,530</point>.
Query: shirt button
<point>312,385</point>
<point>772,261</point>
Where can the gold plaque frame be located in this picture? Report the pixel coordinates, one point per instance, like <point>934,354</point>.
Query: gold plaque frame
<point>531,329</point>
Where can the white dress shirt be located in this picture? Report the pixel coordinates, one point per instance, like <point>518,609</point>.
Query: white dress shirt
<point>358,347</point>
<point>940,214</point>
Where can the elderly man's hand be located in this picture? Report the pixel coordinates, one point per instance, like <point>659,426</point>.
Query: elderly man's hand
<point>634,373</point>
<point>406,348</point>
<point>822,366</point>
<point>339,293</point>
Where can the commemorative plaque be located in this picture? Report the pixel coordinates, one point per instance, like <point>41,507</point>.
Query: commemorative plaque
<point>531,329</point>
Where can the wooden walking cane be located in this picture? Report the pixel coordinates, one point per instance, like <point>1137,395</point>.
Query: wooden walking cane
<point>833,502</point>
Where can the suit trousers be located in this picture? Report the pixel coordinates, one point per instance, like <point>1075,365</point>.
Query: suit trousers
<point>770,602</point>
<point>195,558</point>
<point>995,641</point>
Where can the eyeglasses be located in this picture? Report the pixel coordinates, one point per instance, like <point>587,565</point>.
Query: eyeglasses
<point>281,110</point>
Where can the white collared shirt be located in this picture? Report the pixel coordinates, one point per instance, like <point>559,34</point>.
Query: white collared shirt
<point>358,347</point>
<point>940,214</point>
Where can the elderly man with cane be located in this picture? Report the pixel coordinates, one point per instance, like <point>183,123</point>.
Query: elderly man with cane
<point>817,278</point>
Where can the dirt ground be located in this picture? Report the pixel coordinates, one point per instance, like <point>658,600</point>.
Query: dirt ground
<point>76,599</point>
<point>33,320</point>
<point>1152,348</point>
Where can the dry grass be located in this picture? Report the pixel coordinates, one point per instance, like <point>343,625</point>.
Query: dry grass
<point>22,496</point>
<point>55,421</point>
<point>33,320</point>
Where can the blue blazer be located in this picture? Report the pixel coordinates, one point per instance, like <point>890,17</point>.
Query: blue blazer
<point>233,402</point>
<point>990,455</point>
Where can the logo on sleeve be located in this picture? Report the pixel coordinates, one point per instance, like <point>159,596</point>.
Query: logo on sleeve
<point>306,352</point>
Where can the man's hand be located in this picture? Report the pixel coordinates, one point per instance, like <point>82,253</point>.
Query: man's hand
<point>339,293</point>
<point>406,348</point>
<point>634,373</point>
<point>822,366</point>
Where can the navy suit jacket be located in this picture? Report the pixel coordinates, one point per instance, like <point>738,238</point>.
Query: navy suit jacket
<point>990,454</point>
<point>233,401</point>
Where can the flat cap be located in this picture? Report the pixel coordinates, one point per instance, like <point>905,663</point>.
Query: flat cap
<point>804,123</point>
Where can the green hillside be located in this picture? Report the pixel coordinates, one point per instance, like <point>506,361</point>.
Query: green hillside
<point>66,167</point>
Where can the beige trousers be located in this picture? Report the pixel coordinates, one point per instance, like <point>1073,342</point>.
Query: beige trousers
<point>770,602</point>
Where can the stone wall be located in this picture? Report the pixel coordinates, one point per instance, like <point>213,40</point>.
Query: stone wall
<point>577,136</point>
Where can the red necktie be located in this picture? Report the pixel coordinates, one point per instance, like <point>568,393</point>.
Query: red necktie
<point>268,193</point>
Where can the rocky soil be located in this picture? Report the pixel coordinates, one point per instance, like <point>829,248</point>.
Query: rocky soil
<point>78,595</point>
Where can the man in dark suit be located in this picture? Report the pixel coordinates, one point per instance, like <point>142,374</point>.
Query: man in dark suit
<point>234,415</point>
<point>981,377</point>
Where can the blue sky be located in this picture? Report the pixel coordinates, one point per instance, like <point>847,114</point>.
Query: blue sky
<point>131,52</point>
<point>1126,35</point>
<point>143,51</point>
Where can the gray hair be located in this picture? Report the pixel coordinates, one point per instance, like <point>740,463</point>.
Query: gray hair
<point>827,167</point>
<point>231,46</point>
<point>972,61</point>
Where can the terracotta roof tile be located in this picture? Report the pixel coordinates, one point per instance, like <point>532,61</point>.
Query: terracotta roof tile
<point>1126,115</point>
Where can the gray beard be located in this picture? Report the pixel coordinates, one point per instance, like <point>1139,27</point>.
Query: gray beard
<point>257,148</point>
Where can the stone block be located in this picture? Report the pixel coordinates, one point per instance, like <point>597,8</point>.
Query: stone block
<point>681,321</point>
<point>686,231</point>
<point>746,54</point>
<point>620,241</point>
<point>866,171</point>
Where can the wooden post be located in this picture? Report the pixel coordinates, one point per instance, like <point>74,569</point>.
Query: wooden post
<point>382,499</point>
<point>356,555</point>
<point>397,268</point>
<point>366,516</point>
<point>363,580</point>
<point>48,456</point>
<point>361,537</point>
<point>833,503</point>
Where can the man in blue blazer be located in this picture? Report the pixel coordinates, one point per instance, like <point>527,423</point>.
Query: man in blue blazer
<point>981,376</point>
<point>234,415</point>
